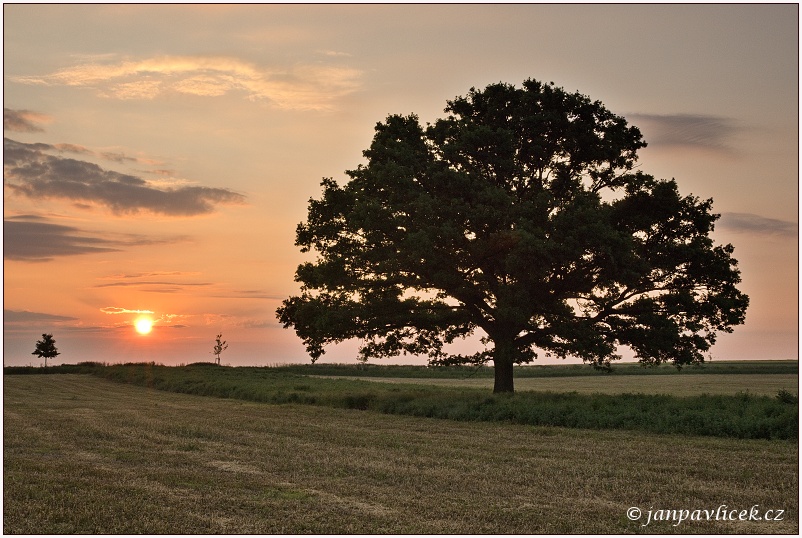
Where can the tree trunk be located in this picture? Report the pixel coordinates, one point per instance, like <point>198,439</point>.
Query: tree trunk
<point>503,360</point>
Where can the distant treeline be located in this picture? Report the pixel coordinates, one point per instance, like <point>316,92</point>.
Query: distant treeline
<point>461,372</point>
<point>80,368</point>
<point>739,416</point>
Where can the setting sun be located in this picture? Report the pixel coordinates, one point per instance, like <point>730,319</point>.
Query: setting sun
<point>143,325</point>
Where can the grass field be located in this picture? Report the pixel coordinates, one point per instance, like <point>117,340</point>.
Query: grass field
<point>85,455</point>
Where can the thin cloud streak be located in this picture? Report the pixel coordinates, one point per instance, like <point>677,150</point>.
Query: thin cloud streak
<point>141,282</point>
<point>25,316</point>
<point>113,156</point>
<point>248,294</point>
<point>161,320</point>
<point>44,241</point>
<point>256,324</point>
<point>27,121</point>
<point>31,172</point>
<point>24,321</point>
<point>756,224</point>
<point>31,238</point>
<point>687,130</point>
<point>148,283</point>
<point>119,310</point>
<point>149,274</point>
<point>304,87</point>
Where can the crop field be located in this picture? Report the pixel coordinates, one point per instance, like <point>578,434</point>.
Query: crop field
<point>83,454</point>
<point>752,377</point>
<point>680,385</point>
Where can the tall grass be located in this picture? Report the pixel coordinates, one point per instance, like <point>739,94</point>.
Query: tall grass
<point>741,416</point>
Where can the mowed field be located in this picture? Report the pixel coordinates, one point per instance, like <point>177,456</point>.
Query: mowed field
<point>86,455</point>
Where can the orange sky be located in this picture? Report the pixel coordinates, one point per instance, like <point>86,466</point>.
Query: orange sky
<point>158,158</point>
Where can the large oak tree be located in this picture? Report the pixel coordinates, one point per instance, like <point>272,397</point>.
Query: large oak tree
<point>522,214</point>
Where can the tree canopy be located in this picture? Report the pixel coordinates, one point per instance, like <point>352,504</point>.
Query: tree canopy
<point>521,213</point>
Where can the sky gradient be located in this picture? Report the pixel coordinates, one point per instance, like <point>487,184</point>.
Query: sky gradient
<point>157,159</point>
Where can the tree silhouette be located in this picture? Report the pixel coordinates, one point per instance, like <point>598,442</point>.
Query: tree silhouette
<point>46,347</point>
<point>219,347</point>
<point>522,214</point>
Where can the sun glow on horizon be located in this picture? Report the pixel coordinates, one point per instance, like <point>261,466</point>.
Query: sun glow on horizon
<point>143,325</point>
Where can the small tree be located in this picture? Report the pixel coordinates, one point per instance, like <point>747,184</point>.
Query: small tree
<point>219,347</point>
<point>46,347</point>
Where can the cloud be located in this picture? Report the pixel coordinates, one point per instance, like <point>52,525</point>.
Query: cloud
<point>118,157</point>
<point>169,319</point>
<point>140,89</point>
<point>148,274</point>
<point>114,156</point>
<point>304,87</point>
<point>44,241</point>
<point>151,283</point>
<point>26,322</point>
<point>95,328</point>
<point>688,130</point>
<point>26,120</point>
<point>161,318</point>
<point>248,294</point>
<point>256,324</point>
<point>119,310</point>
<point>243,322</point>
<point>31,172</point>
<point>173,321</point>
<point>142,282</point>
<point>23,121</point>
<point>334,53</point>
<point>71,148</point>
<point>26,317</point>
<point>755,224</point>
<point>18,321</point>
<point>156,286</point>
<point>32,238</point>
